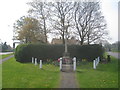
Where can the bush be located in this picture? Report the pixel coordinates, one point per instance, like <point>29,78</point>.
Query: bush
<point>24,52</point>
<point>89,52</point>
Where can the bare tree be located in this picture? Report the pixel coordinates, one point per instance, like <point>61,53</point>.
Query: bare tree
<point>40,11</point>
<point>86,18</point>
<point>89,22</point>
<point>61,17</point>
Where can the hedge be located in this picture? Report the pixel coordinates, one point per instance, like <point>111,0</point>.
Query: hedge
<point>24,52</point>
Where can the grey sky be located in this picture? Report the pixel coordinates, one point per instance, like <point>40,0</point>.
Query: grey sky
<point>11,10</point>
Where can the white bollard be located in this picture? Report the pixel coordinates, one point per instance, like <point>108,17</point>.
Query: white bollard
<point>74,66</point>
<point>60,64</point>
<point>35,61</point>
<point>94,65</point>
<point>40,64</point>
<point>98,59</point>
<point>74,63</point>
<point>32,59</point>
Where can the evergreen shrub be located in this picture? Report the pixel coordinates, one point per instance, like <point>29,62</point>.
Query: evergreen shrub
<point>25,52</point>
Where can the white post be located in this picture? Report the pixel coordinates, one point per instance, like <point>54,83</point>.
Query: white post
<point>32,59</point>
<point>98,59</point>
<point>40,64</point>
<point>74,63</point>
<point>35,61</point>
<point>94,65</point>
<point>60,64</point>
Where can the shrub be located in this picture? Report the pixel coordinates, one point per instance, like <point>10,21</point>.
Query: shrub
<point>89,52</point>
<point>24,52</point>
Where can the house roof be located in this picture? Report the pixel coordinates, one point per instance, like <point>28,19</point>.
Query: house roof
<point>69,41</point>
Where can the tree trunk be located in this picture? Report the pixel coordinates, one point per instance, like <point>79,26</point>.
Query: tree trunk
<point>88,39</point>
<point>81,42</point>
<point>63,39</point>
<point>26,40</point>
<point>45,32</point>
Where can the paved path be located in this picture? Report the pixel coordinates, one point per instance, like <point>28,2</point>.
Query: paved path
<point>7,58</point>
<point>114,54</point>
<point>68,79</point>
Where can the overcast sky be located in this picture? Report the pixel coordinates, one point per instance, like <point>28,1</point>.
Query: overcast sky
<point>11,10</point>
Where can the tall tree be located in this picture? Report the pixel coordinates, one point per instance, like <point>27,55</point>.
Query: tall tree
<point>61,13</point>
<point>28,30</point>
<point>4,46</point>
<point>83,18</point>
<point>116,46</point>
<point>40,11</point>
<point>89,22</point>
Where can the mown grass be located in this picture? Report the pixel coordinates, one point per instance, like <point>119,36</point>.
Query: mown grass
<point>19,75</point>
<point>105,76</point>
<point>117,51</point>
<point>0,76</point>
<point>4,56</point>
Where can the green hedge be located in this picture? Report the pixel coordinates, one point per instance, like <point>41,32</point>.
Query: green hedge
<point>24,52</point>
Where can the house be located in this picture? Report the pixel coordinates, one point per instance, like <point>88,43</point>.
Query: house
<point>56,41</point>
<point>71,41</point>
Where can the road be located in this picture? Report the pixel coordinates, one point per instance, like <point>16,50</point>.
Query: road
<point>114,54</point>
<point>7,58</point>
<point>4,53</point>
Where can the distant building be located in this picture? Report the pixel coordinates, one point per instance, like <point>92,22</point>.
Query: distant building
<point>56,41</point>
<point>9,47</point>
<point>71,41</point>
<point>17,42</point>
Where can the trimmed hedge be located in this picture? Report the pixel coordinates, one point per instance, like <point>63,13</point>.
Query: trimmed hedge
<point>24,52</point>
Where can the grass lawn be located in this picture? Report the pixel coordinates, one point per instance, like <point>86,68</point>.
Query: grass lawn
<point>105,76</point>
<point>19,75</point>
<point>116,51</point>
<point>7,55</point>
<point>0,76</point>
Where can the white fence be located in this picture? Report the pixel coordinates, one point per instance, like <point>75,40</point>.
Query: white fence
<point>34,61</point>
<point>96,62</point>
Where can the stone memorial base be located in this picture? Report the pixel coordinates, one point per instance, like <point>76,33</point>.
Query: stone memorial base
<point>67,63</point>
<point>66,58</point>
